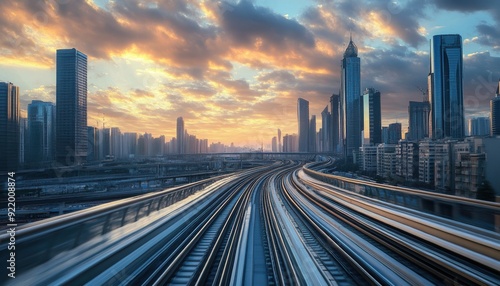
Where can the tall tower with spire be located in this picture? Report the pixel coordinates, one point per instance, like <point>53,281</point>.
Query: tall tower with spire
<point>350,101</point>
<point>495,113</point>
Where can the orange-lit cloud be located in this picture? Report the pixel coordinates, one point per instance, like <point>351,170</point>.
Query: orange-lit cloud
<point>232,70</point>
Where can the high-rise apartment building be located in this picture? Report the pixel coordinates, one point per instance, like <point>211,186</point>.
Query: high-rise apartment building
<point>303,124</point>
<point>350,97</point>
<point>418,122</point>
<point>41,139</point>
<point>372,117</point>
<point>71,111</point>
<point>495,113</point>
<point>445,87</point>
<point>9,127</point>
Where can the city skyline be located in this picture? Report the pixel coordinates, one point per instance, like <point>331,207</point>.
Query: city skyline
<point>249,88</point>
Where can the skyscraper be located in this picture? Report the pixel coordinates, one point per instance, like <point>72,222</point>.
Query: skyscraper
<point>280,147</point>
<point>9,127</point>
<point>394,133</point>
<point>23,135</point>
<point>418,122</point>
<point>445,92</point>
<point>180,136</point>
<point>116,142</point>
<point>312,134</point>
<point>350,94</point>
<point>372,117</point>
<point>495,113</point>
<point>92,146</point>
<point>303,123</point>
<point>274,144</point>
<point>41,132</point>
<point>335,127</point>
<point>326,121</point>
<point>478,126</point>
<point>71,111</point>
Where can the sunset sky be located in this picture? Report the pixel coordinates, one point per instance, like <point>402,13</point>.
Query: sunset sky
<point>234,69</point>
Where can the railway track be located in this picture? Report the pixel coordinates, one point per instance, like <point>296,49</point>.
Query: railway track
<point>271,225</point>
<point>439,265</point>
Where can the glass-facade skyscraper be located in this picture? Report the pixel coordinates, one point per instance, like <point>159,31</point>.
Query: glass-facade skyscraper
<point>71,102</point>
<point>303,124</point>
<point>350,100</point>
<point>445,87</point>
<point>372,117</point>
<point>41,132</point>
<point>9,127</point>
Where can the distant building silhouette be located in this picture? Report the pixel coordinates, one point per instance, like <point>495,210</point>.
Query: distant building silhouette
<point>312,134</point>
<point>180,136</point>
<point>445,87</point>
<point>71,101</point>
<point>385,134</point>
<point>478,126</point>
<point>350,100</point>
<point>280,146</point>
<point>418,122</point>
<point>303,124</point>
<point>335,129</point>
<point>394,133</point>
<point>23,138</point>
<point>9,127</point>
<point>274,144</point>
<point>326,122</point>
<point>495,113</point>
<point>92,145</point>
<point>116,142</point>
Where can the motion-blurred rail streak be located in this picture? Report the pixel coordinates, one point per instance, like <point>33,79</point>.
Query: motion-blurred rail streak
<point>282,223</point>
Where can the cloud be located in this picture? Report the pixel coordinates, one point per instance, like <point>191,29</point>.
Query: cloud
<point>248,25</point>
<point>234,67</point>
<point>465,5</point>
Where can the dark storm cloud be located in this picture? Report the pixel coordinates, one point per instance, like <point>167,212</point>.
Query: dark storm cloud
<point>246,23</point>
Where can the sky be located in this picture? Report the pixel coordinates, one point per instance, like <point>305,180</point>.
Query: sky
<point>235,69</point>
